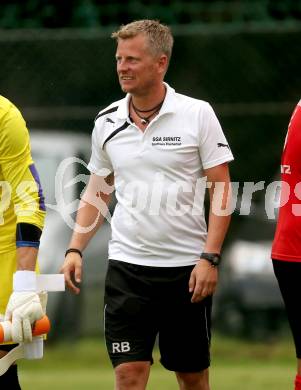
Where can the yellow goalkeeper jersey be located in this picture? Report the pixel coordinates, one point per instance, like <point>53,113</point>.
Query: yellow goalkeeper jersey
<point>21,197</point>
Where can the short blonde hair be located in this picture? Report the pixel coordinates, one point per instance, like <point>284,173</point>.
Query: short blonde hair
<point>159,35</point>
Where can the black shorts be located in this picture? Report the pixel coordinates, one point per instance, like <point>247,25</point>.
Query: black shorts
<point>7,347</point>
<point>288,274</point>
<point>142,302</point>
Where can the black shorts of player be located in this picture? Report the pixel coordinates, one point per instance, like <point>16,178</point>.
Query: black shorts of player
<point>288,274</point>
<point>9,380</point>
<point>7,347</point>
<point>143,302</point>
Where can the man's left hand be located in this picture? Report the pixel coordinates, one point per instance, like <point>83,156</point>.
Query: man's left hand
<point>203,280</point>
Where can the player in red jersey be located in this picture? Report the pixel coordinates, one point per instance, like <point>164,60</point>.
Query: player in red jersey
<point>286,250</point>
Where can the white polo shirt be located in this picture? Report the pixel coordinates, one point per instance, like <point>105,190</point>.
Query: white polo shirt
<point>159,219</point>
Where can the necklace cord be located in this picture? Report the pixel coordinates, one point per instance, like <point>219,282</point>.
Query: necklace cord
<point>151,109</point>
<point>145,119</point>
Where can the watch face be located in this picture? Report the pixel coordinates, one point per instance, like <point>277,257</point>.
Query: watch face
<point>215,260</point>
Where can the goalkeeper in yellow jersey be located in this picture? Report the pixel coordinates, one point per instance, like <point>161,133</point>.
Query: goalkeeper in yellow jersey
<point>22,213</point>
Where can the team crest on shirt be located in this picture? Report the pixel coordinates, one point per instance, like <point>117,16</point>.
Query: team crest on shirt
<point>166,141</point>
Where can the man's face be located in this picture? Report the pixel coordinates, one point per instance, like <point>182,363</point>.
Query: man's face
<point>137,68</point>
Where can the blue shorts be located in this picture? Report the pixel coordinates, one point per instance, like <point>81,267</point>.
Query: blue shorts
<point>143,302</point>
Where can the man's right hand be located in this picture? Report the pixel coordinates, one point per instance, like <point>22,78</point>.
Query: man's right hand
<point>72,270</point>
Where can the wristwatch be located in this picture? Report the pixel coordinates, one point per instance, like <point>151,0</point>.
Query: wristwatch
<point>213,258</point>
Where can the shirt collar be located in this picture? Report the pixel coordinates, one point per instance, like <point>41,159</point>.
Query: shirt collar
<point>169,105</point>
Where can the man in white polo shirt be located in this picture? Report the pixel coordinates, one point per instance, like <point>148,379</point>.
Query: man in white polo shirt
<point>160,149</point>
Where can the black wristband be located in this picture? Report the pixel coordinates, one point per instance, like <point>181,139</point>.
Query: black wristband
<point>213,258</point>
<point>75,250</point>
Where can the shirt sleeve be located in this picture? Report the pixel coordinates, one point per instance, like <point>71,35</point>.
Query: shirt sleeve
<point>213,146</point>
<point>18,170</point>
<point>100,163</point>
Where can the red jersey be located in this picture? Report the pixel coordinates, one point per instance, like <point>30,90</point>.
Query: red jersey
<point>287,240</point>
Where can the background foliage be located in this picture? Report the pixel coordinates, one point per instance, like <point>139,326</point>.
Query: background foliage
<point>94,13</point>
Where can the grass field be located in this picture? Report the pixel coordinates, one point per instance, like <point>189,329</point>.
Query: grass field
<point>236,365</point>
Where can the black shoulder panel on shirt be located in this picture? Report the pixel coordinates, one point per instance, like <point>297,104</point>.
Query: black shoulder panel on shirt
<point>106,112</point>
<point>123,127</point>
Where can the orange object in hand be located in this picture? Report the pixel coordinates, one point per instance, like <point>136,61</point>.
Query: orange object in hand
<point>40,327</point>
